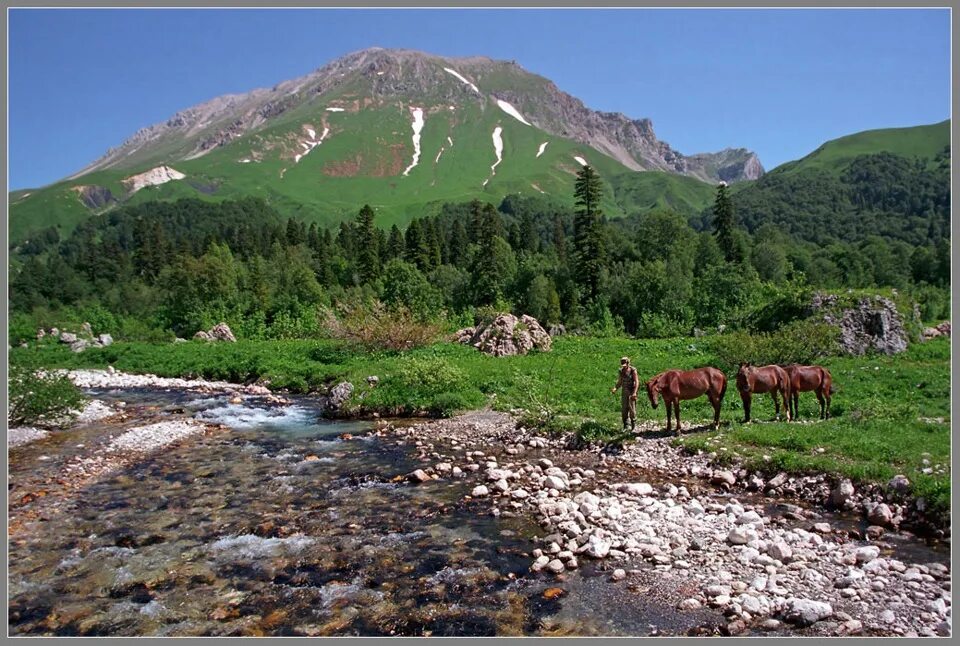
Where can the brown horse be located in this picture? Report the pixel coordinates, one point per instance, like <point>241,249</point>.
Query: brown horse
<point>763,379</point>
<point>675,385</point>
<point>806,378</point>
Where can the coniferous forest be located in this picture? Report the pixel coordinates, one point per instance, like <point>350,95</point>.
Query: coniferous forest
<point>158,269</point>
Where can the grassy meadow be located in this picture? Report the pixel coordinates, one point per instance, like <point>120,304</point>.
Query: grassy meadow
<point>889,413</point>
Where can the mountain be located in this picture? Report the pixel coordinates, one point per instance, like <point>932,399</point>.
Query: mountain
<point>401,130</point>
<point>893,183</point>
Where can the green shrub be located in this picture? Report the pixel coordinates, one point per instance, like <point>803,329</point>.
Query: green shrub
<point>374,327</point>
<point>430,375</point>
<point>41,398</point>
<point>800,342</point>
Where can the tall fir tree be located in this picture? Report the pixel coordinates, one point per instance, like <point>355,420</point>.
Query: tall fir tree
<point>588,236</point>
<point>368,253</point>
<point>395,243</point>
<point>559,239</point>
<point>723,223</point>
<point>458,243</point>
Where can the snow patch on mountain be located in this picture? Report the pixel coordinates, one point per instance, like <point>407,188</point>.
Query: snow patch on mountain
<point>334,109</point>
<point>152,177</point>
<point>448,139</point>
<point>310,145</point>
<point>580,160</point>
<point>512,111</point>
<point>543,147</point>
<point>460,76</point>
<point>417,127</point>
<point>538,188</point>
<point>438,155</point>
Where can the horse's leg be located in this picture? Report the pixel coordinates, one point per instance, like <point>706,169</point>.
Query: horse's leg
<point>784,394</point>
<point>828,397</point>
<point>746,406</point>
<point>667,404</point>
<point>794,404</point>
<point>716,411</point>
<point>776,403</point>
<point>823,405</point>
<point>676,405</point>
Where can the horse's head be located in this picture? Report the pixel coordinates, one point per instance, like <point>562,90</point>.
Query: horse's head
<point>743,376</point>
<point>653,390</point>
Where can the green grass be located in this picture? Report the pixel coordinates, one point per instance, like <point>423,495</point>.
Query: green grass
<point>887,413</point>
<point>918,141</point>
<point>652,190</point>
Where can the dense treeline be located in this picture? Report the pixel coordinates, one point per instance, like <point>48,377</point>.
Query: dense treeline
<point>881,194</point>
<point>144,270</point>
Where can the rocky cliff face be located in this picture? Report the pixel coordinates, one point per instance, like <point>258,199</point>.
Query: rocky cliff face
<point>376,75</point>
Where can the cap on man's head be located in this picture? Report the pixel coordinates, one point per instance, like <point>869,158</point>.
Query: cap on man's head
<point>624,360</point>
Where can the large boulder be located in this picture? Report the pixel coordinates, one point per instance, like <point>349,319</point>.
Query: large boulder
<point>872,324</point>
<point>219,332</point>
<point>506,335</point>
<point>338,397</point>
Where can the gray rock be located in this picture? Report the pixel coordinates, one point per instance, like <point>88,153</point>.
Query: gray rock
<point>79,345</point>
<point>880,515</point>
<point>418,476</point>
<point>867,553</point>
<point>479,491</point>
<point>553,482</point>
<point>338,396</point>
<point>842,495</point>
<point>556,566</point>
<point>723,477</point>
<point>373,380</point>
<point>619,574</point>
<point>105,340</point>
<point>506,335</point>
<point>899,485</point>
<point>540,563</point>
<point>68,337</point>
<point>873,324</point>
<point>804,612</point>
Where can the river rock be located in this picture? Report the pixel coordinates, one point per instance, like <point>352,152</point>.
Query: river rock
<point>635,488</point>
<point>338,396</point>
<point>741,536</point>
<point>553,482</point>
<point>556,566</point>
<point>804,612</point>
<point>899,485</point>
<point>597,547</point>
<point>418,476</point>
<point>479,491</point>
<point>723,478</point>
<point>842,495</point>
<point>540,563</point>
<point>619,574</point>
<point>880,514</point>
<point>867,553</point>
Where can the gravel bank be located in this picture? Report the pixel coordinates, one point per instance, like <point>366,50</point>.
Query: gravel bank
<point>652,508</point>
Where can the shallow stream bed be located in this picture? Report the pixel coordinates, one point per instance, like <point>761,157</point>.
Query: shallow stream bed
<point>285,524</point>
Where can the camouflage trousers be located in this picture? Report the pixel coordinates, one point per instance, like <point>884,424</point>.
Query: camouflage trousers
<point>628,408</point>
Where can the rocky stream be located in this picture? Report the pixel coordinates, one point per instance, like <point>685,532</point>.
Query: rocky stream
<point>176,507</point>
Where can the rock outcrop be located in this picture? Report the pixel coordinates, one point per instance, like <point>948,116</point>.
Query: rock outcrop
<point>219,332</point>
<point>506,335</point>
<point>873,324</point>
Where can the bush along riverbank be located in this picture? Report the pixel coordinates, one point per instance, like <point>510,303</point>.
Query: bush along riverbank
<point>891,414</point>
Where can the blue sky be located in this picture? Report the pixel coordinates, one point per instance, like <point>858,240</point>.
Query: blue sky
<point>779,82</point>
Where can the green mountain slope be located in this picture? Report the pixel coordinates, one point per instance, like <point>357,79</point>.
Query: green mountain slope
<point>892,183</point>
<point>320,146</point>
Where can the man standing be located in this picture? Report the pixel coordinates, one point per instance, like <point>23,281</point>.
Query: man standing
<point>630,381</point>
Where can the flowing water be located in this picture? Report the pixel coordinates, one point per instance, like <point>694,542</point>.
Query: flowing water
<point>284,525</point>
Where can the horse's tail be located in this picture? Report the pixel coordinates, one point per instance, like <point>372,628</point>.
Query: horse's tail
<point>826,377</point>
<point>723,385</point>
